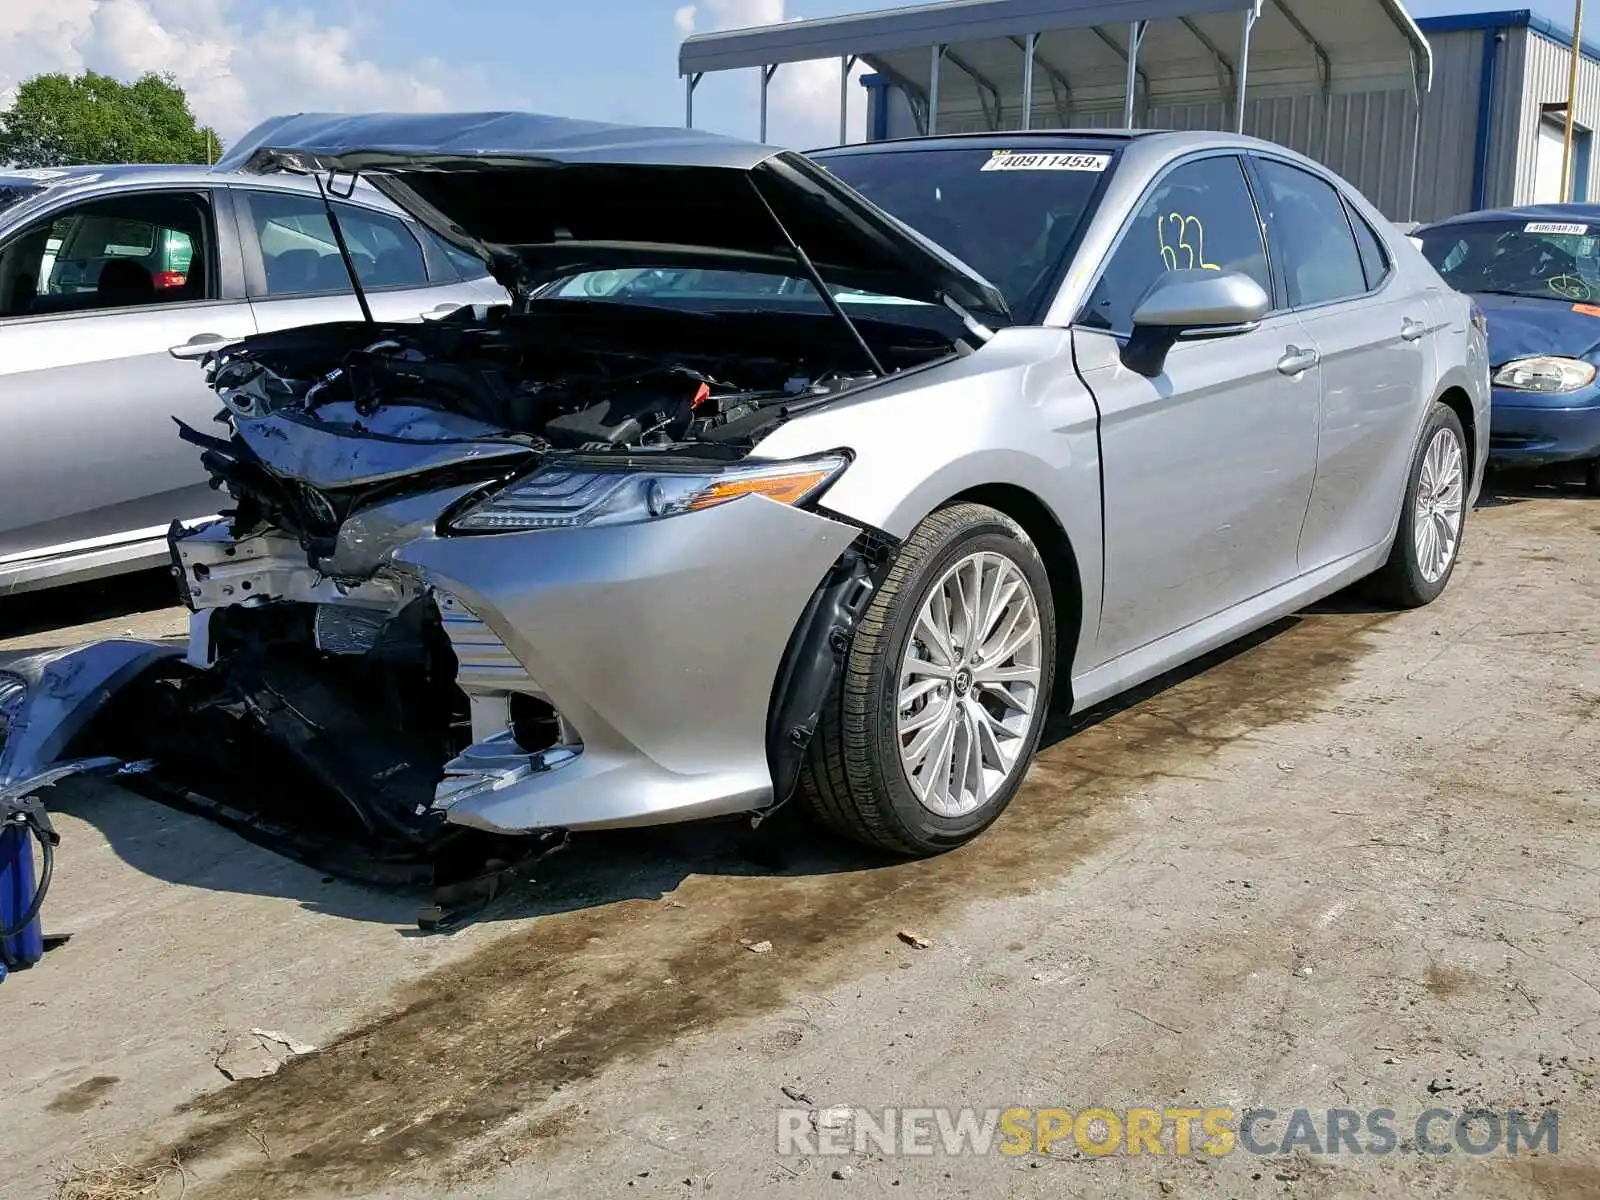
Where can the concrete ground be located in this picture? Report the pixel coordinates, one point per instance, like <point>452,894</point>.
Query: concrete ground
<point>1350,864</point>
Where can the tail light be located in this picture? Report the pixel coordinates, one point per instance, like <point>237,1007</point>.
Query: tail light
<point>170,279</point>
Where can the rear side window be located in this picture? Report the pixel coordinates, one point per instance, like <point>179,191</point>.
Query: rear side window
<point>1200,216</point>
<point>1311,236</point>
<point>299,255</point>
<point>1374,258</point>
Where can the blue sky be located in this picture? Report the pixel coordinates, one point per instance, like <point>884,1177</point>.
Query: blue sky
<point>241,60</point>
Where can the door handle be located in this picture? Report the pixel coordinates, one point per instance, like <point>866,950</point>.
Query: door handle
<point>200,345</point>
<point>1296,361</point>
<point>1412,331</point>
<point>439,310</point>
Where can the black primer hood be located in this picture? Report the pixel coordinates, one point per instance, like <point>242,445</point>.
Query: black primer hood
<point>543,197</point>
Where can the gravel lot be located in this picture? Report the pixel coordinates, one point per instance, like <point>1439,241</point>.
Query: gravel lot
<point>1351,863</point>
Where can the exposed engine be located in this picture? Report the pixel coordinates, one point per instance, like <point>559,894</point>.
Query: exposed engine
<point>486,388</point>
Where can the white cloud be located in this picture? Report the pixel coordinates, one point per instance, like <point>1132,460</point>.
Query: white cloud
<point>235,73</point>
<point>803,101</point>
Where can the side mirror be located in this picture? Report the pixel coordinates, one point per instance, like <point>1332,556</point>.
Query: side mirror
<point>1192,304</point>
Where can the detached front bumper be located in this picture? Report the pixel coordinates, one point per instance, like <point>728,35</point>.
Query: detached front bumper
<point>1525,432</point>
<point>657,644</point>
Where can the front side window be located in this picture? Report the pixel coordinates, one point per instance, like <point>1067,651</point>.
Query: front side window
<point>1311,236</point>
<point>1200,216</point>
<point>1546,260</point>
<point>300,256</point>
<point>123,252</point>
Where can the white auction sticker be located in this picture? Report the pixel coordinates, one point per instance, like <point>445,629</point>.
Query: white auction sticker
<point>1016,160</point>
<point>1554,227</point>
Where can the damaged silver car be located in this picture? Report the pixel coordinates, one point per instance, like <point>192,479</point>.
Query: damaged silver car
<point>828,476</point>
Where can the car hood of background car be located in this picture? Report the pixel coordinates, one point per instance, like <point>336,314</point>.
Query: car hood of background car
<point>1522,326</point>
<point>545,197</point>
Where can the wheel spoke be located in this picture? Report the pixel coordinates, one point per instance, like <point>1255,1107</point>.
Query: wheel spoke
<point>928,731</point>
<point>933,631</point>
<point>916,691</point>
<point>1007,696</point>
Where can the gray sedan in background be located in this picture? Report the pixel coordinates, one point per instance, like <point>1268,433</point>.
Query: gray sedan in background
<point>102,271</point>
<point>828,476</point>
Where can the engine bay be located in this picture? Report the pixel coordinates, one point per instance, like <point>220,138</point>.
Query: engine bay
<point>329,419</point>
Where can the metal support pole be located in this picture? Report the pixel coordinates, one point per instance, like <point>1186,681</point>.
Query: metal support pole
<point>1244,69</point>
<point>1027,82</point>
<point>766,78</point>
<point>1416,139</point>
<point>690,82</point>
<point>1135,36</point>
<point>845,63</point>
<point>1567,189</point>
<point>933,90</point>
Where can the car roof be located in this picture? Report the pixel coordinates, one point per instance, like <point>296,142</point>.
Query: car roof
<point>1109,139</point>
<point>1587,213</point>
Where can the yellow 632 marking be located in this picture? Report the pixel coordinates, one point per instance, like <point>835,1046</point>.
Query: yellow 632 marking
<point>1188,252</point>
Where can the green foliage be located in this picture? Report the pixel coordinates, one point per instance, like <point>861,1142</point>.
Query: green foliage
<point>62,120</point>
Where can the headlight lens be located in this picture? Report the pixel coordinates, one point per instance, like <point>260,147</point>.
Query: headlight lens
<point>1545,373</point>
<point>567,497</point>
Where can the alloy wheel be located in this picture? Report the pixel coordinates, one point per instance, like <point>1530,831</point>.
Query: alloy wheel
<point>969,684</point>
<point>1441,495</point>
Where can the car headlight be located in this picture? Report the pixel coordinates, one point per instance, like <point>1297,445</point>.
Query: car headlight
<point>569,496</point>
<point>1545,373</point>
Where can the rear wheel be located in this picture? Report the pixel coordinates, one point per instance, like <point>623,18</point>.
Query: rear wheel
<point>1591,478</point>
<point>944,691</point>
<point>1428,541</point>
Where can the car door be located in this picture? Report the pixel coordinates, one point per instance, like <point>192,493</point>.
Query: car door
<point>1207,467</point>
<point>296,275</point>
<point>1373,336</point>
<point>92,296</point>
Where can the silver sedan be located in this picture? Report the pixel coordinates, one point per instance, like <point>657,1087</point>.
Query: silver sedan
<point>829,477</point>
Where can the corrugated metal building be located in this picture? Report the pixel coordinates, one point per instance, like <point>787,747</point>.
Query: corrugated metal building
<point>1427,118</point>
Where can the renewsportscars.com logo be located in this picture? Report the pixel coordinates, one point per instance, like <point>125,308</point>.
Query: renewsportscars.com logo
<point>1180,1132</point>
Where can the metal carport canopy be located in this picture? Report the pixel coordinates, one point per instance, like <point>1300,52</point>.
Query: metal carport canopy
<point>1017,59</point>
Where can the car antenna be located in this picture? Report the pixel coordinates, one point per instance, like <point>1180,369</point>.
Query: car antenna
<point>815,276</point>
<point>344,248</point>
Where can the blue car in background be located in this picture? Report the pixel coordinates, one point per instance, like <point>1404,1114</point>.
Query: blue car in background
<point>1535,272</point>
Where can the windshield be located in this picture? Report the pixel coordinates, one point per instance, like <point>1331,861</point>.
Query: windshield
<point>1550,260</point>
<point>1011,216</point>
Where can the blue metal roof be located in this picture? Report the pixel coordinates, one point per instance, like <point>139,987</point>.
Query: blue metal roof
<point>1508,18</point>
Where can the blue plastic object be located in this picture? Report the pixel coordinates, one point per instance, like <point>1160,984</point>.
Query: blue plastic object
<point>21,940</point>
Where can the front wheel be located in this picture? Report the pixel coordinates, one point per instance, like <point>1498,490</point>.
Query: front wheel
<point>1432,517</point>
<point>943,695</point>
<point>1591,478</point>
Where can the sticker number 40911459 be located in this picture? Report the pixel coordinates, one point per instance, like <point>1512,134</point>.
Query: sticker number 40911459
<point>1013,160</point>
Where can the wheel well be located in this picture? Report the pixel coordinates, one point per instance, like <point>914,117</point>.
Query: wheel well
<point>1066,584</point>
<point>1459,403</point>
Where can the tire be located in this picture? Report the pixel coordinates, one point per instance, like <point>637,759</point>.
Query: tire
<point>1414,575</point>
<point>855,779</point>
<point>1591,478</point>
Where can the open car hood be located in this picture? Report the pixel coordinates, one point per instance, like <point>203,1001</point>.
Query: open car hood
<point>541,198</point>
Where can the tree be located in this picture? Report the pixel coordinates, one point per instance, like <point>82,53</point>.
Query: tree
<point>61,120</point>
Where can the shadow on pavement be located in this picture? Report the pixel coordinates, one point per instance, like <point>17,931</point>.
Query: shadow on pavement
<point>596,869</point>
<point>85,603</point>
